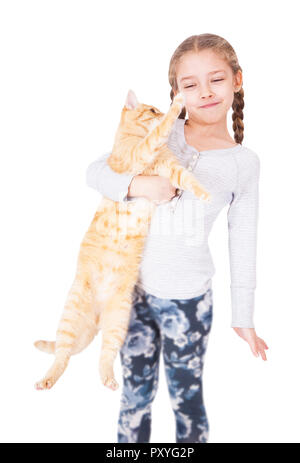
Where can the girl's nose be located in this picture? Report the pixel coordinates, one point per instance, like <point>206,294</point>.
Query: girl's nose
<point>205,92</point>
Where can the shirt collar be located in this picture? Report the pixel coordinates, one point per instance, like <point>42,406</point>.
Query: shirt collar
<point>188,149</point>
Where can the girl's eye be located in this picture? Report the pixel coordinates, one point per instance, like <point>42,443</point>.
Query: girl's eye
<point>216,80</point>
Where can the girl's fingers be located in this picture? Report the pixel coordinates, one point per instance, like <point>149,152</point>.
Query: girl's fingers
<point>263,342</point>
<point>254,349</point>
<point>261,349</point>
<point>258,347</point>
<point>263,354</point>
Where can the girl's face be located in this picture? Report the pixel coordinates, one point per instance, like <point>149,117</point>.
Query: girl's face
<point>206,78</point>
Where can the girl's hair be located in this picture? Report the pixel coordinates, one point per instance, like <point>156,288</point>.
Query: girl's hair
<point>219,45</point>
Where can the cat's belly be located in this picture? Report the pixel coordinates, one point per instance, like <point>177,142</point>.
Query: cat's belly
<point>113,246</point>
<point>118,276</point>
<point>116,220</point>
<point>105,286</point>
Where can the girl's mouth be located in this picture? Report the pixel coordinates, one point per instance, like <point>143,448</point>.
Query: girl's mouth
<point>209,105</point>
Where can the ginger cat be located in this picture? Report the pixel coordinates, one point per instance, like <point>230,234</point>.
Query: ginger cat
<point>111,250</point>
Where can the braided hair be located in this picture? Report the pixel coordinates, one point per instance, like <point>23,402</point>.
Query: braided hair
<point>238,116</point>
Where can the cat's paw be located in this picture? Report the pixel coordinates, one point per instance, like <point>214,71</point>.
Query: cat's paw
<point>107,376</point>
<point>46,383</point>
<point>111,383</point>
<point>202,194</point>
<point>206,197</point>
<point>179,99</point>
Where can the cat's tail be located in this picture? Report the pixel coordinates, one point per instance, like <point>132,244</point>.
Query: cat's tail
<point>46,346</point>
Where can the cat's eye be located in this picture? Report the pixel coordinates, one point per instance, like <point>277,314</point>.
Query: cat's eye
<point>153,110</point>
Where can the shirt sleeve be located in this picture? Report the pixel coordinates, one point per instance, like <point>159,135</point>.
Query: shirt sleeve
<point>106,181</point>
<point>242,239</point>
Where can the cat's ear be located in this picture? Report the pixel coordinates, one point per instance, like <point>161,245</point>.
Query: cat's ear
<point>131,100</point>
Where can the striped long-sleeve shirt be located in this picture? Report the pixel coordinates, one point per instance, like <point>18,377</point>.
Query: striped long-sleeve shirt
<point>177,262</point>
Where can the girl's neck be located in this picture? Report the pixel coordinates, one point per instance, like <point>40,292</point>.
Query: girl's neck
<point>205,139</point>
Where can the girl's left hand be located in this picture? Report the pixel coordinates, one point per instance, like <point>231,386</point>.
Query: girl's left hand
<point>257,345</point>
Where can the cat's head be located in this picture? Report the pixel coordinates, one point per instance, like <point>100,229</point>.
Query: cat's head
<point>140,114</point>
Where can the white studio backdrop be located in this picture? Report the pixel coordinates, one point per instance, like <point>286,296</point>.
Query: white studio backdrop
<point>66,67</point>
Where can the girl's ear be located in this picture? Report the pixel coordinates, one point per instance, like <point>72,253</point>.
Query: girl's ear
<point>131,100</point>
<point>238,80</point>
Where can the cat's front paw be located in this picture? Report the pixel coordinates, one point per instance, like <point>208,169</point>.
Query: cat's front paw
<point>179,99</point>
<point>207,197</point>
<point>202,194</point>
<point>46,383</point>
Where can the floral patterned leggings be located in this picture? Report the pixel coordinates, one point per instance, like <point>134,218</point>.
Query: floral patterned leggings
<point>181,327</point>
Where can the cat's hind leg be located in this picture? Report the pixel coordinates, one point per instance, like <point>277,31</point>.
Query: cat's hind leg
<point>114,325</point>
<point>75,331</point>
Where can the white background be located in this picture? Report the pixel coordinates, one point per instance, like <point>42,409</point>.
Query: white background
<point>66,67</point>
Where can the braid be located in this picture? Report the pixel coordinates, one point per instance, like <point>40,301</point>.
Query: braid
<point>183,112</point>
<point>238,116</point>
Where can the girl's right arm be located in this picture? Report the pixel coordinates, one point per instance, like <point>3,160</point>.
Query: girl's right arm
<point>106,181</point>
<point>121,187</point>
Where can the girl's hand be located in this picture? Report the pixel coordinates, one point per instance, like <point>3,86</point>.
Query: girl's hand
<point>153,187</point>
<point>257,345</point>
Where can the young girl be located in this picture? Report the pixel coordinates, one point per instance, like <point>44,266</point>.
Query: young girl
<point>172,302</point>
